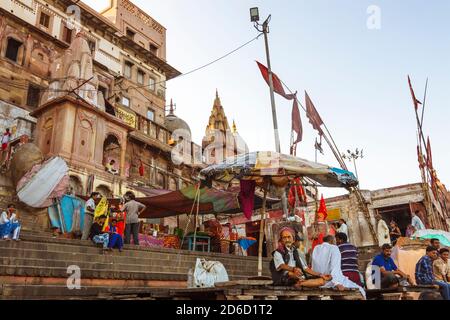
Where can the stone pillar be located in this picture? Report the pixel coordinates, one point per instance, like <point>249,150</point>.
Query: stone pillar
<point>122,157</point>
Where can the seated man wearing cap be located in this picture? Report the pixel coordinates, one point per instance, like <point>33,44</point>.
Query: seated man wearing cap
<point>287,267</point>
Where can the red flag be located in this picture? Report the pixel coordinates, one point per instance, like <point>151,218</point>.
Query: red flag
<point>301,195</point>
<point>322,212</point>
<point>313,115</point>
<point>415,101</point>
<point>297,122</point>
<point>277,85</point>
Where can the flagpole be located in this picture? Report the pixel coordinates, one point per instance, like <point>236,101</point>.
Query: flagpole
<point>424,101</point>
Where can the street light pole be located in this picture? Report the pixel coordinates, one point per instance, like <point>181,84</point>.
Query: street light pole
<point>254,14</point>
<point>265,30</point>
<point>353,156</point>
<point>356,170</point>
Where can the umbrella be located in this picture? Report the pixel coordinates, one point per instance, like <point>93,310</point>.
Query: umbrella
<point>268,167</point>
<point>442,236</point>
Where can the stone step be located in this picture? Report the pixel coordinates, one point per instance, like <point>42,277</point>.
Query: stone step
<point>46,243</point>
<point>155,261</point>
<point>154,266</point>
<point>134,256</point>
<point>124,268</point>
<point>60,292</point>
<point>61,272</point>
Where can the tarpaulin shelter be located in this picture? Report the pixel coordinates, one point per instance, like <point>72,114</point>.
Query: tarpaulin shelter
<point>272,168</point>
<point>278,167</point>
<point>166,203</point>
<point>442,236</point>
<point>181,202</point>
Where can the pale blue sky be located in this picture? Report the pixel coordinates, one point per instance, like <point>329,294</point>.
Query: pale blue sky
<point>355,76</point>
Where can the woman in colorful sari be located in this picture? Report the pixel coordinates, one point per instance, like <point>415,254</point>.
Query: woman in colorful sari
<point>115,239</point>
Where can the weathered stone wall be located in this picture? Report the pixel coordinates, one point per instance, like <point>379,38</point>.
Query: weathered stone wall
<point>359,231</point>
<point>6,190</point>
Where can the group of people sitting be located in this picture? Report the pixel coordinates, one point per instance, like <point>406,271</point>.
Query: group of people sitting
<point>9,224</point>
<point>432,269</point>
<point>334,264</point>
<point>329,262</point>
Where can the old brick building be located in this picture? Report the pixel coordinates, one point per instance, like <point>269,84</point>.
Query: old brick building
<point>90,87</point>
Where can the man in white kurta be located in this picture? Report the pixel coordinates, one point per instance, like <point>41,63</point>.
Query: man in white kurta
<point>343,228</point>
<point>416,222</point>
<point>383,231</point>
<point>326,259</point>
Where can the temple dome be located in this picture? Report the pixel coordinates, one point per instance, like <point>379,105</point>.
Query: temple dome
<point>172,122</point>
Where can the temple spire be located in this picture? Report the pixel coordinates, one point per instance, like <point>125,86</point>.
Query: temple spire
<point>171,111</point>
<point>217,102</point>
<point>234,127</point>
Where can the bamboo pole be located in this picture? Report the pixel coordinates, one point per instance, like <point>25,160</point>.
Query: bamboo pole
<point>196,218</point>
<point>261,232</point>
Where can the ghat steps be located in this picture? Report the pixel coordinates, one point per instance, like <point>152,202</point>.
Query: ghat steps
<point>37,268</point>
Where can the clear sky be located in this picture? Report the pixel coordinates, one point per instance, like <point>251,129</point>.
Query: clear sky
<point>356,76</point>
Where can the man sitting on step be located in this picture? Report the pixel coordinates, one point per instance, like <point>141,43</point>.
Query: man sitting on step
<point>97,235</point>
<point>287,267</point>
<point>326,258</point>
<point>390,275</point>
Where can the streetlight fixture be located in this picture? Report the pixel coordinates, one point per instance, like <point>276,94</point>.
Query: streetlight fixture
<point>353,156</point>
<point>254,14</point>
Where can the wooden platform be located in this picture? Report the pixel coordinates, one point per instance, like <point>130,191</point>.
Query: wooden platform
<point>239,290</point>
<point>400,293</point>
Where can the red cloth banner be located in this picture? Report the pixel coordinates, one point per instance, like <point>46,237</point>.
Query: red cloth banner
<point>277,85</point>
<point>413,95</point>
<point>312,114</point>
<point>278,88</point>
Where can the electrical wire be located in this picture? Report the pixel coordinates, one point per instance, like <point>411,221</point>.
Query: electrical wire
<point>17,85</point>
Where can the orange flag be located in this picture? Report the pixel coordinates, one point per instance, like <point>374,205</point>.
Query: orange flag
<point>322,213</point>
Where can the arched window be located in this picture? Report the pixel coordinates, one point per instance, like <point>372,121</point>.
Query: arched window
<point>105,191</point>
<point>111,154</point>
<point>160,180</point>
<point>173,186</point>
<point>75,186</point>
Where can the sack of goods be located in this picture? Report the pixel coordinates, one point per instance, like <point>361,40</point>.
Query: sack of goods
<point>207,273</point>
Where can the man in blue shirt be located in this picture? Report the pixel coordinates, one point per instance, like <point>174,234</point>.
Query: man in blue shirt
<point>424,272</point>
<point>391,276</point>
